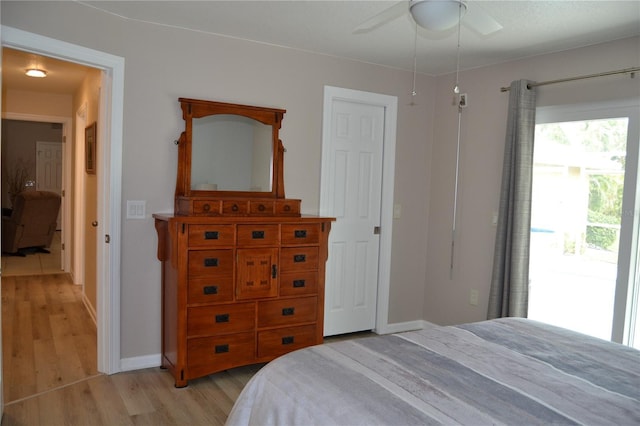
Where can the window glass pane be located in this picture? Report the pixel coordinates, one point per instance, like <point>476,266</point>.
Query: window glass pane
<point>576,215</point>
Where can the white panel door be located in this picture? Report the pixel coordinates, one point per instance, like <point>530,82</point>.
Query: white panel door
<point>355,153</point>
<point>49,169</point>
<point>49,166</point>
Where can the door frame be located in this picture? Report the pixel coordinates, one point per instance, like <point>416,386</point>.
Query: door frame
<point>390,105</point>
<point>109,181</point>
<point>627,284</point>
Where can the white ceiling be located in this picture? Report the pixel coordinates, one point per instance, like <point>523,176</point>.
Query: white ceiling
<point>529,28</point>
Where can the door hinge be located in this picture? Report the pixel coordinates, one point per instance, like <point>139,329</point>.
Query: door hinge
<point>63,193</point>
<point>376,230</point>
<point>107,238</point>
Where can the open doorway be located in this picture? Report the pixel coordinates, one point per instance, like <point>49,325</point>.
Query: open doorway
<point>57,345</point>
<point>108,178</point>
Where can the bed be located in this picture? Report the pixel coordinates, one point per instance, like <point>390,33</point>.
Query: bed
<point>505,371</point>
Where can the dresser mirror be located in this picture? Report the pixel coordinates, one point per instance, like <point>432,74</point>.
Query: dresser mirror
<point>230,161</point>
<point>231,153</point>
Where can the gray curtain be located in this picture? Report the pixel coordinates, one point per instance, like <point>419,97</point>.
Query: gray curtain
<point>510,280</point>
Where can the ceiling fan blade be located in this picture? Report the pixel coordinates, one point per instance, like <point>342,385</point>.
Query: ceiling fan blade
<point>480,21</point>
<point>387,15</point>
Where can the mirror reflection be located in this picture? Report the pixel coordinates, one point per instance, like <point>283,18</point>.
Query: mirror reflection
<point>231,153</point>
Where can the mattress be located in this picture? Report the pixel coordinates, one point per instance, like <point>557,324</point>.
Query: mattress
<point>505,371</point>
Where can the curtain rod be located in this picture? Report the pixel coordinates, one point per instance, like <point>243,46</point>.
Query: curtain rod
<point>631,71</point>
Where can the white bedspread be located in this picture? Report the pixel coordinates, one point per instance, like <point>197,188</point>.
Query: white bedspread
<point>506,371</point>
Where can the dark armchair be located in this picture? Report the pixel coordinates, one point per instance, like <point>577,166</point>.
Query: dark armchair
<point>32,222</point>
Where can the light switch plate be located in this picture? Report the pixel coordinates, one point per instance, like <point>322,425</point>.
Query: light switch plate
<point>136,209</point>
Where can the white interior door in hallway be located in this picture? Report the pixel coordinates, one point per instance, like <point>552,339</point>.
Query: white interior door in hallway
<point>49,169</point>
<point>353,181</point>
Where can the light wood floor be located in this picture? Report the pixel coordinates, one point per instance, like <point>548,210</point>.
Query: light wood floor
<point>48,338</point>
<point>50,376</point>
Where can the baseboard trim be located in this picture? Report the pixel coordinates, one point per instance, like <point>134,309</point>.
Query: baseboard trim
<point>90,309</point>
<point>140,362</point>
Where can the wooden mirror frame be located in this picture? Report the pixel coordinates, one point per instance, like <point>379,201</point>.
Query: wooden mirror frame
<point>194,108</point>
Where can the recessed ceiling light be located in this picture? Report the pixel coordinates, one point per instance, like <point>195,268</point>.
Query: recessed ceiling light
<point>36,72</point>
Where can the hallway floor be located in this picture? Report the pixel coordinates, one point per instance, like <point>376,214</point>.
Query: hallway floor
<point>36,263</point>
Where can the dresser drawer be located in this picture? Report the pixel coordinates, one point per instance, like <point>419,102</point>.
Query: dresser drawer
<point>258,235</point>
<point>298,259</point>
<point>235,208</point>
<point>298,283</point>
<point>206,355</point>
<point>287,311</point>
<point>300,234</point>
<point>261,208</point>
<point>211,235</point>
<point>210,290</point>
<point>220,319</point>
<point>206,207</point>
<point>273,343</point>
<point>210,263</point>
<point>288,207</point>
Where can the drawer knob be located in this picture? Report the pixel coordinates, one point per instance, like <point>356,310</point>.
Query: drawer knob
<point>211,235</point>
<point>221,349</point>
<point>261,207</point>
<point>298,258</point>
<point>298,283</point>
<point>206,207</point>
<point>210,289</point>
<point>288,311</point>
<point>287,208</point>
<point>257,235</point>
<point>222,318</point>
<point>211,262</point>
<point>300,233</point>
<point>235,208</point>
<point>287,340</point>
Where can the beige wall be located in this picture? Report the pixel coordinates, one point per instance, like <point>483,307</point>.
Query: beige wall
<point>88,94</point>
<point>162,64</point>
<point>35,103</point>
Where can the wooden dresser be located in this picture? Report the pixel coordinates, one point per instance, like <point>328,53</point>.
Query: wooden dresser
<point>242,270</point>
<point>237,292</point>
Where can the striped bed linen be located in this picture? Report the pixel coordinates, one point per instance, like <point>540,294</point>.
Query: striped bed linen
<point>500,372</point>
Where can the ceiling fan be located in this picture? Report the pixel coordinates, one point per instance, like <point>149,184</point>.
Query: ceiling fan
<point>435,15</point>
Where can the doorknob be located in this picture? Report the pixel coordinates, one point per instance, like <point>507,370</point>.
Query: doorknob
<point>94,223</point>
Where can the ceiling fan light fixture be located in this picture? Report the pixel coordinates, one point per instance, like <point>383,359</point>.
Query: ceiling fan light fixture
<point>36,72</point>
<point>437,15</point>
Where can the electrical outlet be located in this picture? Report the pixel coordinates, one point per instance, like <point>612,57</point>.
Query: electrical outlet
<point>473,297</point>
<point>397,211</point>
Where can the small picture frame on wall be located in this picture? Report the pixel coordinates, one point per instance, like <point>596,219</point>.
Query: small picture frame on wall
<point>90,148</point>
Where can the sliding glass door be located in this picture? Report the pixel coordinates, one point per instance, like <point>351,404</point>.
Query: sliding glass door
<point>584,231</point>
